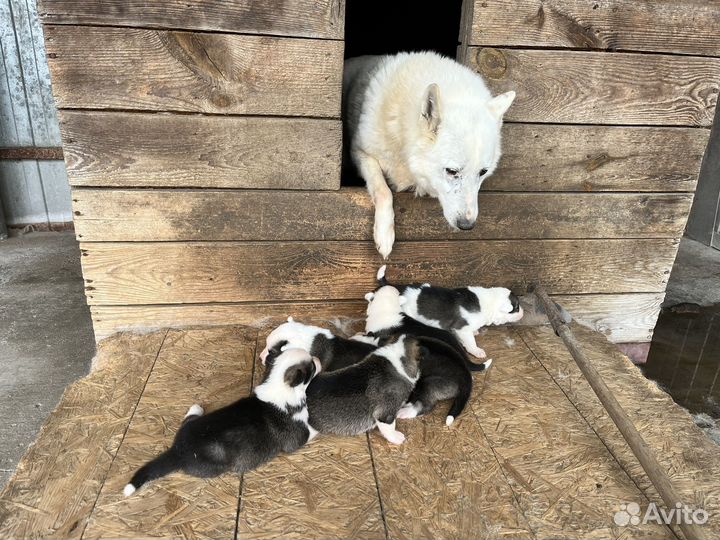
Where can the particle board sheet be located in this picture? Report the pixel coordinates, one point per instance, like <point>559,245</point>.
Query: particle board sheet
<point>304,18</point>
<point>170,150</point>
<point>202,272</point>
<point>347,214</point>
<point>681,26</point>
<point>325,490</point>
<point>212,367</point>
<point>567,483</point>
<point>620,317</point>
<point>430,489</point>
<point>601,87</point>
<point>155,70</point>
<point>57,482</point>
<point>688,455</point>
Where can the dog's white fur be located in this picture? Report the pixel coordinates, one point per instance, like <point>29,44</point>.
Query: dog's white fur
<point>424,122</point>
<point>297,335</point>
<point>384,308</point>
<point>274,390</point>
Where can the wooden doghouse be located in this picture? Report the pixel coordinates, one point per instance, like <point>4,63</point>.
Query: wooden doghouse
<point>203,144</point>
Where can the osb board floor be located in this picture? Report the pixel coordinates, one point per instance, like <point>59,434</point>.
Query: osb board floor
<point>533,456</point>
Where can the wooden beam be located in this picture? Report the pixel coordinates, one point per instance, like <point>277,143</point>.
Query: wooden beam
<point>31,152</point>
<point>602,88</point>
<point>156,70</point>
<point>201,272</point>
<point>131,149</point>
<point>681,26</point>
<point>172,215</point>
<point>657,474</point>
<point>303,18</point>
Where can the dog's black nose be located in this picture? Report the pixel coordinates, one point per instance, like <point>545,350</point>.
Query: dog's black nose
<point>465,224</point>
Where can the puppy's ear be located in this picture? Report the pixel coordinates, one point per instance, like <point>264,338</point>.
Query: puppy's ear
<point>431,107</point>
<point>297,374</point>
<point>500,104</point>
<point>369,296</point>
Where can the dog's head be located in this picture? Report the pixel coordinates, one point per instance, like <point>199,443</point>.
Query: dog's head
<point>384,309</point>
<point>498,305</point>
<point>291,334</point>
<point>459,149</point>
<point>287,377</point>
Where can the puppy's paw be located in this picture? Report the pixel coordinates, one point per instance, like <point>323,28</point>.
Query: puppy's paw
<point>395,437</point>
<point>195,410</point>
<point>384,232</point>
<point>477,352</point>
<point>407,411</point>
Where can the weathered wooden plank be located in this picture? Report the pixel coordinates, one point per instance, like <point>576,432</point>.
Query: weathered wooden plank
<point>53,492</point>
<point>142,149</point>
<point>212,367</point>
<point>304,18</point>
<point>567,483</point>
<point>620,317</point>
<point>178,272</point>
<point>687,453</point>
<point>324,490</point>
<point>542,157</point>
<point>430,489</point>
<point>602,88</point>
<point>684,26</point>
<point>155,70</point>
<point>141,215</point>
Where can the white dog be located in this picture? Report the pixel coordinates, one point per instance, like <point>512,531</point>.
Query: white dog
<point>424,122</point>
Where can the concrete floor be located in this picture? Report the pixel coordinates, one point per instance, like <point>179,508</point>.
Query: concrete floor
<point>46,338</point>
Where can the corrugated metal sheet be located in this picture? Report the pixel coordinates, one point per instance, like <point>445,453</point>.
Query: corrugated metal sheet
<point>31,191</point>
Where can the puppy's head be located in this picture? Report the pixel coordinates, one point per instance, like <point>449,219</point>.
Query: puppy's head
<point>290,334</point>
<point>460,148</point>
<point>384,308</point>
<point>500,306</point>
<point>287,377</point>
<point>404,353</point>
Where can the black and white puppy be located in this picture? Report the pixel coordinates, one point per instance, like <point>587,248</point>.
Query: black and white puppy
<point>463,310</point>
<point>334,352</point>
<point>444,367</point>
<point>354,399</point>
<point>246,433</point>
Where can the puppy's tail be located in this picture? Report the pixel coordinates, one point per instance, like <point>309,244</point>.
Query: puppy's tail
<point>472,366</point>
<point>382,281</point>
<point>165,463</point>
<point>461,399</point>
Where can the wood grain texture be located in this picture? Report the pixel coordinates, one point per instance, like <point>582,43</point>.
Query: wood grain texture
<point>58,480</point>
<point>620,317</point>
<point>689,459</point>
<point>305,18</point>
<point>212,367</point>
<point>430,490</point>
<point>142,149</point>
<point>162,273</point>
<point>684,26</point>
<point>563,476</point>
<point>141,215</point>
<point>128,68</point>
<point>602,88</point>
<point>542,157</point>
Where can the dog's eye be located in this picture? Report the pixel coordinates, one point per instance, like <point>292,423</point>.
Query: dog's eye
<point>483,172</point>
<point>452,172</point>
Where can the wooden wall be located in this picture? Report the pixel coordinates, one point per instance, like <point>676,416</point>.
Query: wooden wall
<point>203,144</point>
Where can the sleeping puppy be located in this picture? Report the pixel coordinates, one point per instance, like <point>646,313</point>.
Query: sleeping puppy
<point>462,311</point>
<point>445,371</point>
<point>354,399</point>
<point>333,351</point>
<point>245,434</point>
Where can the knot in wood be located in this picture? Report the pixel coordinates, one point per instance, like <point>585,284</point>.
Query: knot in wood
<point>492,63</point>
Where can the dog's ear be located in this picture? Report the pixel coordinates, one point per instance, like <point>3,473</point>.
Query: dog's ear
<point>431,107</point>
<point>297,374</point>
<point>369,296</point>
<point>500,104</point>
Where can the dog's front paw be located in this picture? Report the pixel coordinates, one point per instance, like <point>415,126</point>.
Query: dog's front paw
<point>384,233</point>
<point>395,437</point>
<point>477,352</point>
<point>407,411</point>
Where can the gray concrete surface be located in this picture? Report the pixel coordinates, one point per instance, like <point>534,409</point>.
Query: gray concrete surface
<point>46,338</point>
<point>695,277</point>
